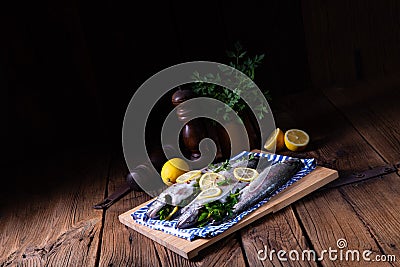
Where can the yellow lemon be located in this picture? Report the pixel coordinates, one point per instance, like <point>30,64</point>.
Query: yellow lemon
<point>186,177</point>
<point>210,192</point>
<point>245,174</point>
<point>172,169</point>
<point>296,140</point>
<point>275,140</point>
<point>210,179</point>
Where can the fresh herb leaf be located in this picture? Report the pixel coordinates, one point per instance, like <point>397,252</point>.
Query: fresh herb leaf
<point>222,183</point>
<point>218,211</point>
<point>203,216</point>
<point>165,211</point>
<point>241,61</point>
<point>220,167</point>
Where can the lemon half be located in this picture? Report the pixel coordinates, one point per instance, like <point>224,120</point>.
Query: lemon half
<point>296,140</point>
<point>275,141</point>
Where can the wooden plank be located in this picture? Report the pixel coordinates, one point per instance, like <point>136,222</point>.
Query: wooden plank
<point>123,246</point>
<point>375,114</point>
<point>328,216</point>
<point>340,38</point>
<point>53,222</point>
<point>334,142</point>
<point>380,213</point>
<point>226,252</point>
<point>279,231</point>
<point>351,40</point>
<point>189,249</point>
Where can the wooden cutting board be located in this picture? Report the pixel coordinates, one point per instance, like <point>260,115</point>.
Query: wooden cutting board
<point>188,249</point>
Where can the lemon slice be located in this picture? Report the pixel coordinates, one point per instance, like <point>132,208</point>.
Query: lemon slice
<point>245,174</point>
<point>188,176</point>
<point>210,192</point>
<point>296,140</point>
<point>171,213</point>
<point>210,179</point>
<point>275,141</point>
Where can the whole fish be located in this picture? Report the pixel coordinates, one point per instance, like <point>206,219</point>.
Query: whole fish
<point>190,214</point>
<point>267,183</point>
<point>249,193</point>
<point>179,195</point>
<point>174,195</point>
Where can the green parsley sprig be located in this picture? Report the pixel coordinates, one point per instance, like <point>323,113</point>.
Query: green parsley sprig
<point>224,166</point>
<point>218,211</point>
<point>244,87</point>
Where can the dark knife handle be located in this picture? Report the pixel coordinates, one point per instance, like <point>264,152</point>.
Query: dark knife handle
<point>349,177</point>
<point>111,199</point>
<point>139,173</point>
<point>128,186</point>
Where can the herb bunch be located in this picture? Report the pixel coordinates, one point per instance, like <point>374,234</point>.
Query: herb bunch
<point>244,87</point>
<point>217,211</point>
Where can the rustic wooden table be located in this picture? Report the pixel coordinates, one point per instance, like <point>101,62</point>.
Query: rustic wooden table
<point>353,128</point>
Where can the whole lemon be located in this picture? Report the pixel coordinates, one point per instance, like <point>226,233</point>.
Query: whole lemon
<point>172,169</point>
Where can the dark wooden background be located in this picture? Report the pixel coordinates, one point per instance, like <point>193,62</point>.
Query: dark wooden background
<point>71,67</point>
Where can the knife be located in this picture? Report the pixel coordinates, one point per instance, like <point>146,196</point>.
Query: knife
<point>129,185</point>
<point>349,177</point>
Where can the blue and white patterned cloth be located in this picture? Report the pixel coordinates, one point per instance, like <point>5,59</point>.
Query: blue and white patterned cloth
<point>190,234</point>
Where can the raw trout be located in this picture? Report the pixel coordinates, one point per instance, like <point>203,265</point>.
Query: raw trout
<point>175,195</point>
<point>267,183</point>
<point>248,194</point>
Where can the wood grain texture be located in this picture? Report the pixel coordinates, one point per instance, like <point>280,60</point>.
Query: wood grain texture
<point>380,213</point>
<point>226,252</point>
<point>328,216</point>
<point>351,40</point>
<point>279,231</point>
<point>120,246</point>
<point>56,226</point>
<point>123,246</point>
<point>334,141</point>
<point>373,108</point>
<point>190,249</point>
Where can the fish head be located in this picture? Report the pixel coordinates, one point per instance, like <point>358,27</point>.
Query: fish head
<point>154,208</point>
<point>189,217</point>
<point>293,165</point>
